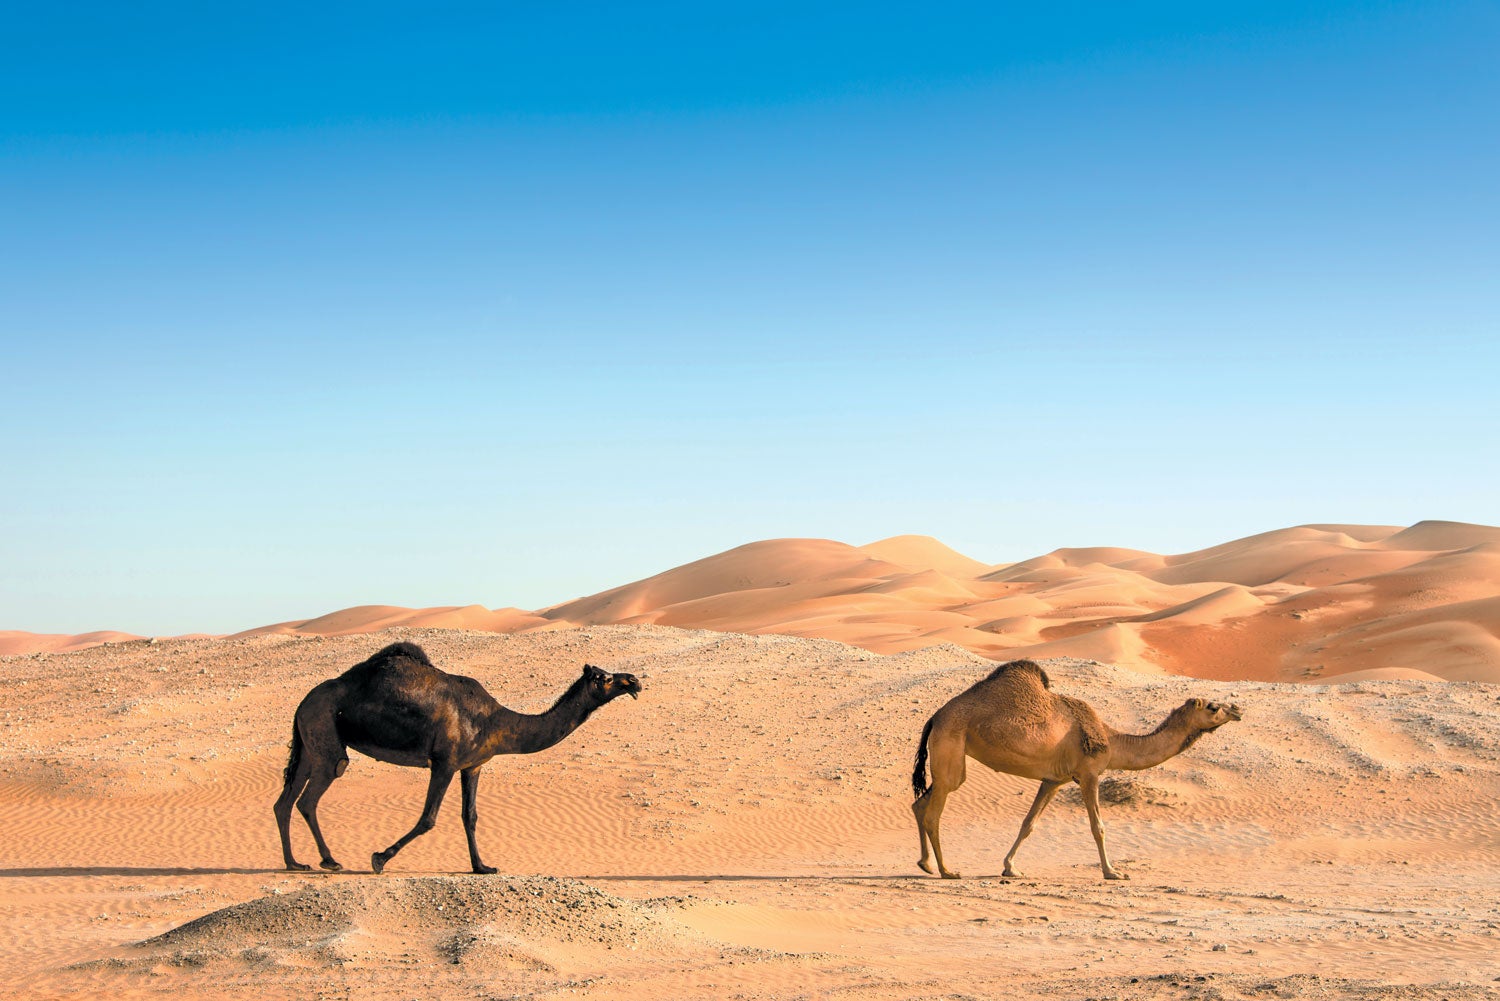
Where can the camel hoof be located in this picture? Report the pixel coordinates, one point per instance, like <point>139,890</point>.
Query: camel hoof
<point>1010,874</point>
<point>485,870</point>
<point>330,865</point>
<point>298,867</point>
<point>951,875</point>
<point>1116,875</point>
<point>378,861</point>
<point>924,865</point>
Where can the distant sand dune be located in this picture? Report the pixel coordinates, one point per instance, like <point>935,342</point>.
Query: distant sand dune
<point>1295,604</point>
<point>13,643</point>
<point>372,618</point>
<point>925,552</point>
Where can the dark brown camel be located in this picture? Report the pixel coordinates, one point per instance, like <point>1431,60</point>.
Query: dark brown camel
<point>397,707</point>
<point>1012,722</point>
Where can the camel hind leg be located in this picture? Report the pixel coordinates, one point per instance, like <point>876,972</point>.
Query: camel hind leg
<point>919,810</point>
<point>318,757</point>
<point>323,774</point>
<point>298,770</point>
<point>948,773</point>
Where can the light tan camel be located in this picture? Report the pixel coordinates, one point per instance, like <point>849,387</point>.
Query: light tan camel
<point>1013,722</point>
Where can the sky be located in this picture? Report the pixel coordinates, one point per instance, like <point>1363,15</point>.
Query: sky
<point>511,303</point>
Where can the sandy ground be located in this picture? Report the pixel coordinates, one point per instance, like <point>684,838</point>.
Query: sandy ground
<point>742,831</point>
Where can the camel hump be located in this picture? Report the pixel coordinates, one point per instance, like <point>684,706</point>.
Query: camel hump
<point>397,650</point>
<point>1019,666</point>
<point>1093,738</point>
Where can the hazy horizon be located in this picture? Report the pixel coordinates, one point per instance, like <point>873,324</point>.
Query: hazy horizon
<point>306,310</point>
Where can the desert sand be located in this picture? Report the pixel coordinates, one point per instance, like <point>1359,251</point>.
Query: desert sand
<point>743,830</point>
<point>1310,603</point>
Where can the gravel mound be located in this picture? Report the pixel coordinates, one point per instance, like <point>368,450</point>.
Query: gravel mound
<point>517,920</point>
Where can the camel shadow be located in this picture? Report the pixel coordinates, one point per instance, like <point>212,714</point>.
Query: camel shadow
<point>64,871</point>
<point>745,878</point>
<point>84,871</point>
<point>128,870</point>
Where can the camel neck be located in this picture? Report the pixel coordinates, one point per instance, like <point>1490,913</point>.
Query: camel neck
<point>1132,752</point>
<point>527,733</point>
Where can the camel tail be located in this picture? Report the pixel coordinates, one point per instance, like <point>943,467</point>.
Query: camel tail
<point>919,773</point>
<point>294,758</point>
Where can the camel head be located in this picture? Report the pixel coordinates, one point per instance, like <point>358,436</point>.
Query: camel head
<point>606,687</point>
<point>1205,715</point>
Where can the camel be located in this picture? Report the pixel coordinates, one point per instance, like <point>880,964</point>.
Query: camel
<point>1013,722</point>
<point>397,707</point>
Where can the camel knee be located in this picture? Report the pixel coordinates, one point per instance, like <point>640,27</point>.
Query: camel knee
<point>424,825</point>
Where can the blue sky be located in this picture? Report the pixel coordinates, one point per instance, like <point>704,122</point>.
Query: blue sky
<point>510,304</point>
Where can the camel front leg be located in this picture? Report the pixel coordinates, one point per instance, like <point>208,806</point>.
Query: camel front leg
<point>1090,788</point>
<point>442,777</point>
<point>1044,794</point>
<point>469,783</point>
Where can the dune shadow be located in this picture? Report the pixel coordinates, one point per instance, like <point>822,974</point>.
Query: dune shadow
<point>128,870</point>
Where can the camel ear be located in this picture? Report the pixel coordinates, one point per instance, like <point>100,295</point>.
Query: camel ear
<point>590,671</point>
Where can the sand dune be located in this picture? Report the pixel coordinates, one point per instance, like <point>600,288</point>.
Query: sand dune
<point>13,642</point>
<point>1295,604</point>
<point>742,830</point>
<point>372,618</point>
<point>923,552</point>
<point>756,567</point>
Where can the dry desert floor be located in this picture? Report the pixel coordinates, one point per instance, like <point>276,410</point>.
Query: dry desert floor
<point>741,831</point>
